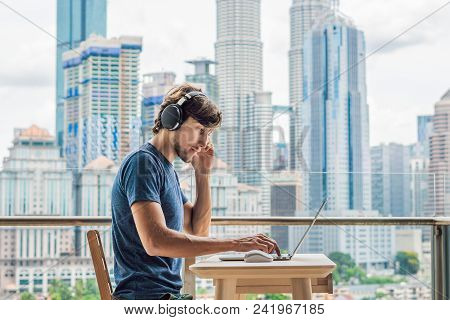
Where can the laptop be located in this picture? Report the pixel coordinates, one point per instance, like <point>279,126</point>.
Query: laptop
<point>284,257</point>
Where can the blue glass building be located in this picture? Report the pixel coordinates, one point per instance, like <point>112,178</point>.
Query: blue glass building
<point>335,119</point>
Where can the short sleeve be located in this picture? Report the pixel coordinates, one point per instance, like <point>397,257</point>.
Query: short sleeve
<point>142,178</point>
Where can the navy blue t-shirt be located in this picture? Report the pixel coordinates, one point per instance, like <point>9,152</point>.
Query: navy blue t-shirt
<point>147,175</point>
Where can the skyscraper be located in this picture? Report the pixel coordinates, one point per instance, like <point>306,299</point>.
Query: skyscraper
<point>76,20</point>
<point>101,99</point>
<point>419,165</point>
<point>245,137</point>
<point>256,154</point>
<point>202,75</point>
<point>303,14</point>
<point>391,179</point>
<point>154,87</point>
<point>439,156</point>
<point>239,71</point>
<point>335,112</point>
<point>424,131</point>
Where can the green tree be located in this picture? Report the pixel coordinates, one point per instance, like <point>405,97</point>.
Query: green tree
<point>59,290</point>
<point>276,296</point>
<point>380,295</point>
<point>346,268</point>
<point>377,280</point>
<point>406,262</point>
<point>27,296</point>
<point>201,291</point>
<point>86,290</point>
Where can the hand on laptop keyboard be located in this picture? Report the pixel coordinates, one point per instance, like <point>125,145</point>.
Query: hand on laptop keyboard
<point>256,242</point>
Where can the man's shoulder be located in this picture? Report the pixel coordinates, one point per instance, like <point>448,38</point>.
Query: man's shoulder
<point>142,153</point>
<point>142,161</point>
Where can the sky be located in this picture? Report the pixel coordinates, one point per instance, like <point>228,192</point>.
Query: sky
<point>404,79</point>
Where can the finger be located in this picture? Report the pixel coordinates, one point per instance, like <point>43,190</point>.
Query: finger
<point>263,247</point>
<point>277,249</point>
<point>270,245</point>
<point>273,242</point>
<point>267,245</point>
<point>206,147</point>
<point>259,244</point>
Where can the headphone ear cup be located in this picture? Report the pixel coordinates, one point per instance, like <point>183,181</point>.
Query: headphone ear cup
<point>171,117</point>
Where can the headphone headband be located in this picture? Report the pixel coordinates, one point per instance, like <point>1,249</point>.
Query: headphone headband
<point>189,96</point>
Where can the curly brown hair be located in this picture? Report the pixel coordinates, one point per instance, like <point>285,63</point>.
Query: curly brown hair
<point>200,108</point>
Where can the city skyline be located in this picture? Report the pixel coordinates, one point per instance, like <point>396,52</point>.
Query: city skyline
<point>36,74</point>
<point>101,109</point>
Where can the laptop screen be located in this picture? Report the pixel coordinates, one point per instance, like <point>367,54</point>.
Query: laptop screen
<point>324,202</point>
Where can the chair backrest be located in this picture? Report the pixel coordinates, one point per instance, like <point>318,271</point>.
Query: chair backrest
<point>99,261</point>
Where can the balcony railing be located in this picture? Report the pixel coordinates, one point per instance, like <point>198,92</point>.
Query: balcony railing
<point>440,241</point>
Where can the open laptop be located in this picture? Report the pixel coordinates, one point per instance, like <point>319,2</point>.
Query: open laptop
<point>240,256</point>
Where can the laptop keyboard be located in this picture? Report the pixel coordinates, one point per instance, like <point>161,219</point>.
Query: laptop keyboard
<point>283,257</point>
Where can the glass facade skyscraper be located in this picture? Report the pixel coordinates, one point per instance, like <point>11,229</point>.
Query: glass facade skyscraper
<point>335,115</point>
<point>76,20</point>
<point>303,15</point>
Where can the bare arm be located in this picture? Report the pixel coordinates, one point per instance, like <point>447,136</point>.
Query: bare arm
<point>159,240</point>
<point>197,217</point>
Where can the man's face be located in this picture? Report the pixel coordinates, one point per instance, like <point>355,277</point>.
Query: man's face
<point>190,139</point>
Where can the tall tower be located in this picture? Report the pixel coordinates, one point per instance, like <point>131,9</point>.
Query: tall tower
<point>101,99</point>
<point>439,157</point>
<point>76,20</point>
<point>336,147</point>
<point>420,169</point>
<point>239,71</point>
<point>303,14</point>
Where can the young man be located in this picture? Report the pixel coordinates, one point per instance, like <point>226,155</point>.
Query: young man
<point>153,224</point>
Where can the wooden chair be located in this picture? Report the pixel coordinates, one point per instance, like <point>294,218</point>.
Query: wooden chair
<point>99,261</point>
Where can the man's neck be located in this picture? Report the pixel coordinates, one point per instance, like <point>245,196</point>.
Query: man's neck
<point>162,143</point>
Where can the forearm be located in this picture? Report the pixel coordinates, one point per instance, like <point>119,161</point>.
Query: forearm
<point>176,244</point>
<point>201,212</point>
